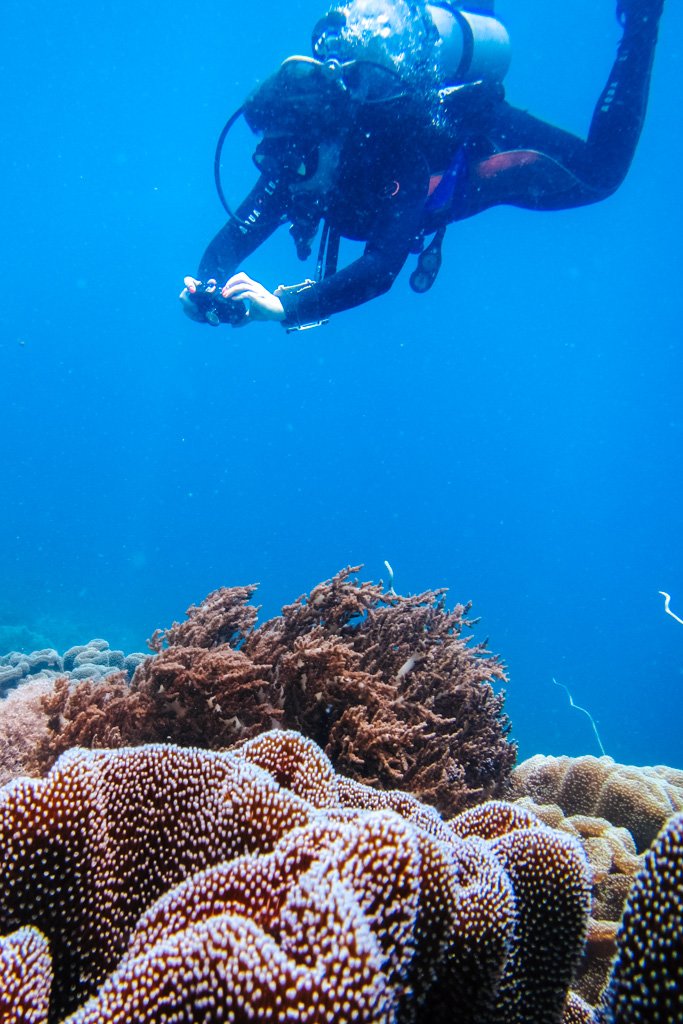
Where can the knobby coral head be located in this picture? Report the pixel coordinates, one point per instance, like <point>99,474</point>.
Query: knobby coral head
<point>162,883</point>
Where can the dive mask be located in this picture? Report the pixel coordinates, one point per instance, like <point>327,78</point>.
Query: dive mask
<point>280,156</point>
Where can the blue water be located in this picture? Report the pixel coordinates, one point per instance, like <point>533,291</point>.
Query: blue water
<point>516,435</point>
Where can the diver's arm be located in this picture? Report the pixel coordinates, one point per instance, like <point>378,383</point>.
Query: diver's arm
<point>258,216</point>
<point>207,298</point>
<point>397,224</point>
<point>366,278</point>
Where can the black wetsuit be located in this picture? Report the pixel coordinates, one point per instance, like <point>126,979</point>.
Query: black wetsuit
<point>385,192</point>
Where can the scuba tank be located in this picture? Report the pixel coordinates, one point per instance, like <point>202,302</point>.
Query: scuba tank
<point>439,40</point>
<point>472,47</point>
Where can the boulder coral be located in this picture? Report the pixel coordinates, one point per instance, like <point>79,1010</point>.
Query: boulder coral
<point>254,884</point>
<point>94,660</point>
<point>392,688</point>
<point>639,799</point>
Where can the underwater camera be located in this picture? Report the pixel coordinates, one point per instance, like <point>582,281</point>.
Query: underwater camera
<point>217,310</point>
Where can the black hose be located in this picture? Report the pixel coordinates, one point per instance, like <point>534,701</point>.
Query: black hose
<point>217,166</point>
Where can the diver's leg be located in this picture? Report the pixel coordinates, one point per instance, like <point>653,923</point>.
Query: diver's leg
<point>568,171</point>
<point>620,111</point>
<point>648,11</point>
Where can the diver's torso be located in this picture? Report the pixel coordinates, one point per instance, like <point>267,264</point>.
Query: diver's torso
<point>376,181</point>
<point>386,173</point>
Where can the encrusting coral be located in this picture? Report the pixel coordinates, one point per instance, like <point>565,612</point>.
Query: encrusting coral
<point>180,884</point>
<point>639,799</point>
<point>387,685</point>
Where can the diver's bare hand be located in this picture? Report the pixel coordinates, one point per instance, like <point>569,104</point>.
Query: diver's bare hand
<point>263,305</point>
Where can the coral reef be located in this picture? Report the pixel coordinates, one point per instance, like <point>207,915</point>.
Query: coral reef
<point>388,686</point>
<point>545,877</point>
<point>578,1011</point>
<point>17,636</point>
<point>639,799</point>
<point>180,884</point>
<point>645,986</point>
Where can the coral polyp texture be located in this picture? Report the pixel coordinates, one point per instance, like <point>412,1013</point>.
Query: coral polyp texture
<point>392,688</point>
<point>25,977</point>
<point>646,985</point>
<point>639,799</point>
<point>257,885</point>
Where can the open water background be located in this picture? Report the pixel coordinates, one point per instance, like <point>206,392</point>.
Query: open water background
<point>516,435</point>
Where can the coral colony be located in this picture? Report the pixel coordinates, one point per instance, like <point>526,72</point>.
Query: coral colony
<point>316,819</point>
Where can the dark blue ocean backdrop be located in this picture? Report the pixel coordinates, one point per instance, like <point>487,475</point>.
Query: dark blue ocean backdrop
<point>515,436</point>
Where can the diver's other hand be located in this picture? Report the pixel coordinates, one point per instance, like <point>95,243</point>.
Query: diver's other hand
<point>263,305</point>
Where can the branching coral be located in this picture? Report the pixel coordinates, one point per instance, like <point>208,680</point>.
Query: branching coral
<point>387,685</point>
<point>252,885</point>
<point>224,617</point>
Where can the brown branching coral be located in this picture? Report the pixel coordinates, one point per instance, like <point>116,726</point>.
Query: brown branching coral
<point>224,617</point>
<point>182,884</point>
<point>387,685</point>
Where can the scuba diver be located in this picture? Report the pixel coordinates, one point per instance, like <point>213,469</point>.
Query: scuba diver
<point>395,128</point>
